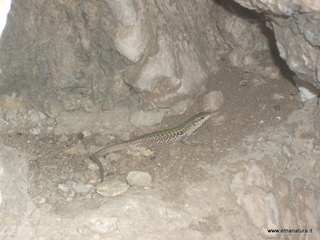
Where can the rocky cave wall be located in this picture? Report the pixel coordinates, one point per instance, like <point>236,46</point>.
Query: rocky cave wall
<point>61,56</point>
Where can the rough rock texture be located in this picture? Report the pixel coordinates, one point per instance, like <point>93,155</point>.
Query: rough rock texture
<point>70,54</point>
<point>15,204</point>
<point>172,61</point>
<point>64,56</point>
<point>296,27</point>
<point>60,52</point>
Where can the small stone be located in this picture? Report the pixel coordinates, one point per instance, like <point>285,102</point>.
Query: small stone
<point>72,188</point>
<point>234,59</point>
<point>138,178</point>
<point>35,131</point>
<point>33,116</point>
<point>277,96</point>
<point>42,115</point>
<point>243,83</point>
<point>52,108</point>
<point>182,106</point>
<point>212,101</point>
<point>112,189</point>
<point>83,189</point>
<point>86,133</point>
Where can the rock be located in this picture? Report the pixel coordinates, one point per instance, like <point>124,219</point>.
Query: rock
<point>35,131</point>
<point>240,33</point>
<point>33,116</point>
<point>52,108</point>
<point>5,8</point>
<point>260,204</point>
<point>131,37</point>
<point>86,133</point>
<point>112,189</point>
<point>138,178</point>
<point>212,101</point>
<point>182,106</point>
<point>132,41</point>
<point>234,59</point>
<point>305,94</point>
<point>72,188</point>
<point>83,189</point>
<point>277,96</point>
<point>296,29</point>
<point>139,118</point>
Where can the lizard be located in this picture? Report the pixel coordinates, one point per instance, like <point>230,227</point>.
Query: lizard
<point>155,139</point>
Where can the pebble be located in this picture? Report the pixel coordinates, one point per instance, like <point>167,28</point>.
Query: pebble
<point>138,178</point>
<point>73,188</point>
<point>212,101</point>
<point>83,189</point>
<point>53,108</point>
<point>182,106</point>
<point>277,96</point>
<point>35,131</point>
<point>86,133</point>
<point>33,116</point>
<point>234,59</point>
<point>112,189</point>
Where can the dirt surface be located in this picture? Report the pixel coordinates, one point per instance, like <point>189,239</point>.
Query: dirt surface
<point>250,106</point>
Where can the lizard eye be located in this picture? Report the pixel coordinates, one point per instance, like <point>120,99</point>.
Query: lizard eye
<point>180,133</point>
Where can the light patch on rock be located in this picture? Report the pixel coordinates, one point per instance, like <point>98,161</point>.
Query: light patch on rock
<point>148,118</point>
<point>131,41</point>
<point>258,81</point>
<point>103,225</point>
